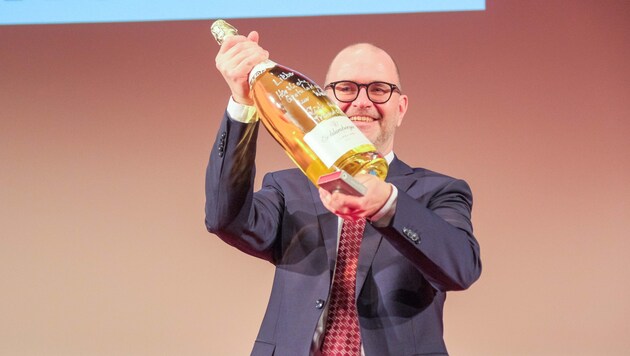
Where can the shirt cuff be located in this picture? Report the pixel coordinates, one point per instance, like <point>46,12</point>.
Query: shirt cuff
<point>384,216</point>
<point>241,113</point>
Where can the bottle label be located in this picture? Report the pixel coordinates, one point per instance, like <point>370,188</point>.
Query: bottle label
<point>259,69</point>
<point>334,137</point>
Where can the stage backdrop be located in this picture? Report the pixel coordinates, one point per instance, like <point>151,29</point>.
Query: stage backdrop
<point>105,130</point>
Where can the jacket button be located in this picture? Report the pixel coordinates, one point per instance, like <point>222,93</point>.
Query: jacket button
<point>411,235</point>
<point>319,303</point>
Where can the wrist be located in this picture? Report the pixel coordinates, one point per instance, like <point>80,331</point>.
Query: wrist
<point>242,100</point>
<point>383,216</point>
<point>242,113</point>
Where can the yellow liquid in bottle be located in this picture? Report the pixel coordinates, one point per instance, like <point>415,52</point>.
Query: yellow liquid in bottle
<point>291,106</point>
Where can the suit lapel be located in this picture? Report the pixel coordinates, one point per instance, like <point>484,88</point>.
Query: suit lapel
<point>396,175</point>
<point>399,175</point>
<point>369,245</point>
<point>328,224</point>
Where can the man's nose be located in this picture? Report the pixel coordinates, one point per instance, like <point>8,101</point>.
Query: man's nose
<point>362,99</point>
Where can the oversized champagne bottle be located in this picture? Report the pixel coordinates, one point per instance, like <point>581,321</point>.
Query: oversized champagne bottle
<point>311,128</point>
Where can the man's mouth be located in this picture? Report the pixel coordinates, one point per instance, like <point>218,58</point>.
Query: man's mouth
<point>362,119</point>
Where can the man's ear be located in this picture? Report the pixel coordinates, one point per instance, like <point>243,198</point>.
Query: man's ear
<point>403,102</point>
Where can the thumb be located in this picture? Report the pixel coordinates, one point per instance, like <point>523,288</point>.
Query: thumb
<point>253,36</point>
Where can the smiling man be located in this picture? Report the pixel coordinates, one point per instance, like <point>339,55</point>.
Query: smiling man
<point>379,109</point>
<point>354,275</point>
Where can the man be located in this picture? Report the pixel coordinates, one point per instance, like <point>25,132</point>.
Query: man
<point>417,241</point>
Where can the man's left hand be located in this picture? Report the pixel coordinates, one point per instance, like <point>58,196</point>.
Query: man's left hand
<point>350,207</point>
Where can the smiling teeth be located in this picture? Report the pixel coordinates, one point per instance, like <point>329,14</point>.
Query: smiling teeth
<point>362,118</point>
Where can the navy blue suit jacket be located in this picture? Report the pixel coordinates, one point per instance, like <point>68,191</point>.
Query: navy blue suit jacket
<point>404,269</point>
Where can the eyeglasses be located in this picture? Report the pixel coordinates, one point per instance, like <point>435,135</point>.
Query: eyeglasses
<point>347,91</point>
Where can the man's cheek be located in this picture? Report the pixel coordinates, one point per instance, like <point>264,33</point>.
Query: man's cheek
<point>343,106</point>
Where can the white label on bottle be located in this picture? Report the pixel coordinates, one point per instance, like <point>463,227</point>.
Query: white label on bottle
<point>332,138</point>
<point>259,69</point>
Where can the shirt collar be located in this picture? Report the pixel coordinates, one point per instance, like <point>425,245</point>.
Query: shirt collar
<point>389,157</point>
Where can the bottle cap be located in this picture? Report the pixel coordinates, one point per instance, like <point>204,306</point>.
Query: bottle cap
<point>221,29</point>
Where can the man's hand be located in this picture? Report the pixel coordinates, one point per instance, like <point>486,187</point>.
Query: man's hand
<point>350,207</point>
<point>236,58</point>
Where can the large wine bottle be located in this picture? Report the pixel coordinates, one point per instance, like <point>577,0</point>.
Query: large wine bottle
<point>311,128</point>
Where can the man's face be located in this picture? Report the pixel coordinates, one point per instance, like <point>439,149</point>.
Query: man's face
<point>364,64</point>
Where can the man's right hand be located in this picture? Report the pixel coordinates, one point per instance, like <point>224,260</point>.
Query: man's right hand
<point>236,58</point>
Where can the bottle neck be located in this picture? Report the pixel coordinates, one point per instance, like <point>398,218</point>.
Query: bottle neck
<point>259,69</point>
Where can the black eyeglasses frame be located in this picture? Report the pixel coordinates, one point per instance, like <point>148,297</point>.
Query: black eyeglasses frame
<point>393,88</point>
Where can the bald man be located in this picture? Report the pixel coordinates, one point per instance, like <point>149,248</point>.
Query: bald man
<point>416,243</point>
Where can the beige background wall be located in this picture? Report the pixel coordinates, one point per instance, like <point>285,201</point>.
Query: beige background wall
<point>105,131</point>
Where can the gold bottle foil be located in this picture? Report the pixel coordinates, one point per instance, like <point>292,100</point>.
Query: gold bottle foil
<point>221,29</point>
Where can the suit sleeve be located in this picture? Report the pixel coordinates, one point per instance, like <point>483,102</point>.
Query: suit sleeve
<point>234,213</point>
<point>436,235</point>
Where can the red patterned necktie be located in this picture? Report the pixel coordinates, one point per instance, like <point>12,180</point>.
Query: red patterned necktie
<point>342,336</point>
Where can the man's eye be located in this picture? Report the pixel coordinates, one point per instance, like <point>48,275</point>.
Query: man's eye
<point>378,90</point>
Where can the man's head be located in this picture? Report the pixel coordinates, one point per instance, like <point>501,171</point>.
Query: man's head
<point>364,63</point>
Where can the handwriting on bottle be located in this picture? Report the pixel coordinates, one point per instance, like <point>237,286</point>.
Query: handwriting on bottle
<point>282,77</point>
<point>291,89</point>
